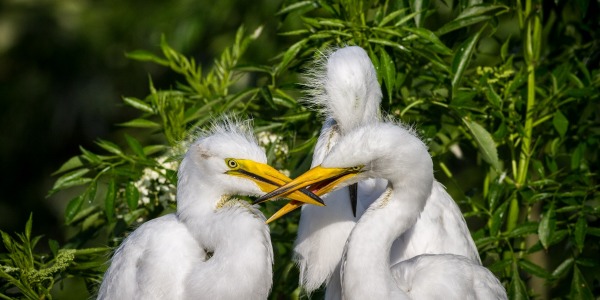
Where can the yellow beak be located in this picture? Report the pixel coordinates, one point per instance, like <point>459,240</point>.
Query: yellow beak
<point>268,179</point>
<point>318,180</point>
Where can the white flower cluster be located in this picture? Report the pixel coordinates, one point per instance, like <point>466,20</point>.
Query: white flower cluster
<point>266,139</point>
<point>154,186</point>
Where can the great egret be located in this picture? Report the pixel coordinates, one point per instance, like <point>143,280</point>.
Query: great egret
<point>345,86</point>
<point>393,152</point>
<point>215,246</point>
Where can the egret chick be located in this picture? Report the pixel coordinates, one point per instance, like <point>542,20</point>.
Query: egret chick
<point>215,246</point>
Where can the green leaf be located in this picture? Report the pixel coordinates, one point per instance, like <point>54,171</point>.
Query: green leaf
<point>524,229</point>
<point>139,104</point>
<point>388,70</point>
<point>577,156</point>
<point>143,55</point>
<point>53,245</point>
<point>70,179</point>
<point>563,268</point>
<point>516,288</point>
<point>533,269</point>
<point>579,287</point>
<point>73,208</point>
<point>135,146</point>
<point>461,59</point>
<point>485,143</point>
<point>560,123</point>
<point>420,7</point>
<point>472,15</point>
<point>72,163</point>
<point>109,202</point>
<point>302,5</point>
<point>152,149</point>
<point>547,226</point>
<point>140,123</point>
<point>132,195</point>
<point>492,96</point>
<point>391,16</point>
<point>495,221</point>
<point>110,147</point>
<point>290,54</point>
<point>301,116</point>
<point>427,35</point>
<point>580,232</point>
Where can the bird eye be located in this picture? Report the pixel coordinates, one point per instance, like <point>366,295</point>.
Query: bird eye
<point>356,168</point>
<point>231,163</point>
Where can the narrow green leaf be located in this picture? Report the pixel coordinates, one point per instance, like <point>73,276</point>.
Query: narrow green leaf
<point>593,231</point>
<point>89,156</point>
<point>563,268</point>
<point>109,202</point>
<point>516,288</point>
<point>132,195</point>
<point>294,117</point>
<point>266,94</point>
<point>388,43</point>
<point>485,143</point>
<point>524,229</point>
<point>577,157</point>
<point>73,208</point>
<point>143,55</point>
<point>28,226</point>
<point>492,96</point>
<point>461,59</point>
<point>533,269</point>
<point>68,179</point>
<point>152,149</point>
<point>580,232</point>
<point>429,36</point>
<point>579,287</point>
<point>110,147</point>
<point>495,221</point>
<point>90,192</point>
<point>139,104</point>
<point>135,146</point>
<point>302,5</point>
<point>388,72</point>
<point>560,123</point>
<point>53,245</point>
<point>473,15</point>
<point>72,163</point>
<point>420,7</point>
<point>391,16</point>
<point>547,226</point>
<point>290,54</point>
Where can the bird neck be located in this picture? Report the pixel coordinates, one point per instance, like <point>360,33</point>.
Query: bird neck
<point>369,244</point>
<point>236,236</point>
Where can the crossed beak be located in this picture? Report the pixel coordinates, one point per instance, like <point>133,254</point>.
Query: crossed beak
<point>268,179</point>
<point>318,180</point>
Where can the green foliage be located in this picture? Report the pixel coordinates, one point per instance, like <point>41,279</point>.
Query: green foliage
<point>512,121</point>
<point>26,274</point>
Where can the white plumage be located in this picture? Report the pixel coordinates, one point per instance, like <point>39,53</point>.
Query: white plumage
<point>215,246</point>
<point>393,152</point>
<point>344,86</point>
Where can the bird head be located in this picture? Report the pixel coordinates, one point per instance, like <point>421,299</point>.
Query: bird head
<point>377,150</point>
<point>229,161</point>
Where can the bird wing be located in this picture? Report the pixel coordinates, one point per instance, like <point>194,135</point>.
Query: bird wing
<point>441,228</point>
<point>152,262</point>
<point>446,276</point>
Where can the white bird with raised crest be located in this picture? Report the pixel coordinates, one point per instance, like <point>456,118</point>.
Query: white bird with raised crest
<point>393,152</point>
<point>215,246</point>
<point>344,86</point>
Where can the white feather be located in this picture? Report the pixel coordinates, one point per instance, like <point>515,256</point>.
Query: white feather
<point>168,257</point>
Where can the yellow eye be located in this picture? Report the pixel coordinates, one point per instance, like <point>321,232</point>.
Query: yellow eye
<point>356,168</point>
<point>231,163</point>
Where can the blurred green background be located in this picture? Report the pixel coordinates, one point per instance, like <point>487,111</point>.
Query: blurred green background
<point>63,72</point>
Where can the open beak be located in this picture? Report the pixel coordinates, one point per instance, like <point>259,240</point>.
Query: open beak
<point>268,179</point>
<point>318,180</point>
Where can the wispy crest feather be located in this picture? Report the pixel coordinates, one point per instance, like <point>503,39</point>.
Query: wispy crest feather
<point>342,84</point>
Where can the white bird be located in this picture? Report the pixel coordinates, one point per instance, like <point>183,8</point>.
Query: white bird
<point>393,152</point>
<point>345,86</point>
<point>215,246</point>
